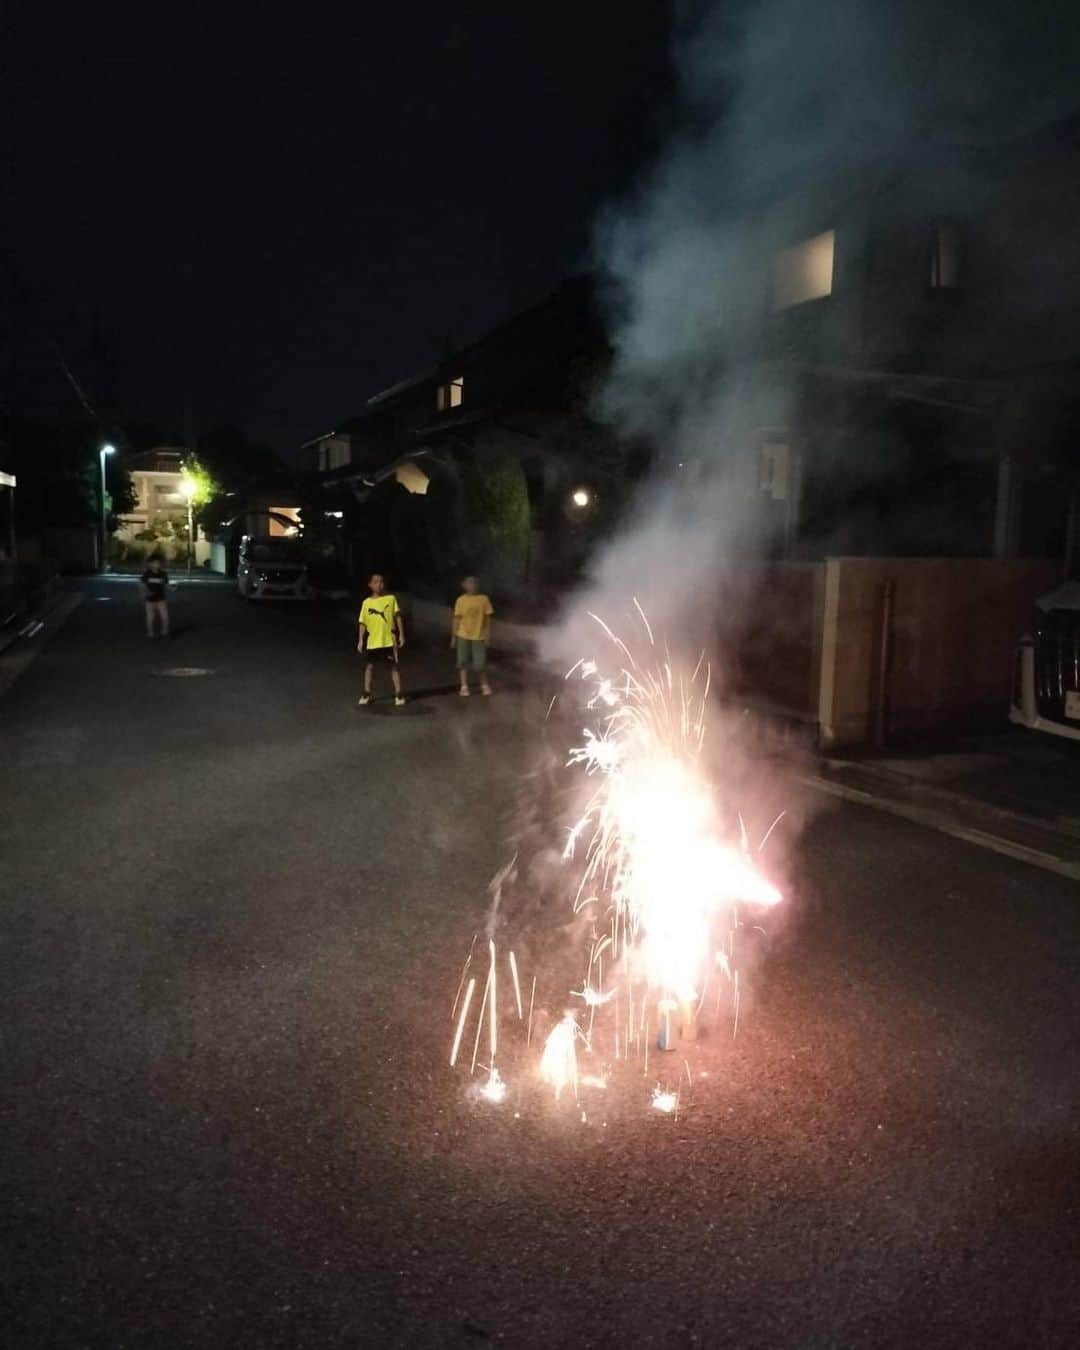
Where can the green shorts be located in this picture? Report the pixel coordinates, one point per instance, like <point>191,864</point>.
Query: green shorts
<point>471,654</point>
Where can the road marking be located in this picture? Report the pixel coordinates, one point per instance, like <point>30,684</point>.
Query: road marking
<point>918,815</point>
<point>182,671</point>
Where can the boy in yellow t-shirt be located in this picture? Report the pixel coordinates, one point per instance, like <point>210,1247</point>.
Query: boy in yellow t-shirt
<point>469,630</point>
<point>382,636</point>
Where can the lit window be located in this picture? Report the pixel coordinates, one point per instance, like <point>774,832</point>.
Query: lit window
<point>945,258</point>
<point>804,272</point>
<point>283,520</point>
<point>411,477</point>
<point>451,395</point>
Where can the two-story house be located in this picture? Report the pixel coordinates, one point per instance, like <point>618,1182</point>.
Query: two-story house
<point>506,416</point>
<point>916,327</point>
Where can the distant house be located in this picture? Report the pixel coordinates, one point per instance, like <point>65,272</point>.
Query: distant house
<point>155,476</point>
<point>159,520</point>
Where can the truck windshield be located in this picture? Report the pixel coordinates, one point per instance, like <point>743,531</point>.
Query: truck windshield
<point>276,551</point>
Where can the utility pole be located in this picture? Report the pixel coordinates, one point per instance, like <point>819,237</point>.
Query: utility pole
<point>103,562</point>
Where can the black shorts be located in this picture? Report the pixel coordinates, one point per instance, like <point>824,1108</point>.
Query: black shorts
<point>380,655</point>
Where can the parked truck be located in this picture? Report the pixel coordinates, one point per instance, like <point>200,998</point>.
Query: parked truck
<point>1046,677</point>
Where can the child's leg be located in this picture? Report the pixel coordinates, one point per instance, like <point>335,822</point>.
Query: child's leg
<point>480,664</point>
<point>369,671</point>
<point>163,615</point>
<point>395,675</point>
<point>149,618</point>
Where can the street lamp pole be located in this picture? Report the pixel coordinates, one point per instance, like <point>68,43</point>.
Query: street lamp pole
<point>189,487</point>
<point>103,523</point>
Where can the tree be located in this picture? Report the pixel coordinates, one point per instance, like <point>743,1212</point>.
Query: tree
<point>495,508</point>
<point>206,485</point>
<point>123,499</point>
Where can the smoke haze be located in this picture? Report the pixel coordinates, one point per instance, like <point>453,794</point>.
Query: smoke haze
<point>778,97</point>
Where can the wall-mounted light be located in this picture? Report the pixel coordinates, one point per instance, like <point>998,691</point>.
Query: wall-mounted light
<point>581,497</point>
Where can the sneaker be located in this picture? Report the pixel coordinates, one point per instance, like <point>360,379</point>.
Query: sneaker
<point>485,689</point>
<point>363,700</point>
<point>399,702</point>
<point>463,692</point>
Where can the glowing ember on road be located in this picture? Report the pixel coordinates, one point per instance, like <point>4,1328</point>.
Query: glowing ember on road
<point>664,1101</point>
<point>494,1090</point>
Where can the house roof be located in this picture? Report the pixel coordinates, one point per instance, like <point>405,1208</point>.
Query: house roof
<point>162,459</point>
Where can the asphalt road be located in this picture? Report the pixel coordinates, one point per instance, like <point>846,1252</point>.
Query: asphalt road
<point>234,911</point>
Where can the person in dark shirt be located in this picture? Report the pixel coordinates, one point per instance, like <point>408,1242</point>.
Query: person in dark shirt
<point>155,582</point>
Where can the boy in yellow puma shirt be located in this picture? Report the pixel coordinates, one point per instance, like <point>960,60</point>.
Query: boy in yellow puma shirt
<point>382,636</point>
<point>469,634</point>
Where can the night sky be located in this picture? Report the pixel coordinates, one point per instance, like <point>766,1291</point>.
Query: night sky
<point>265,222</point>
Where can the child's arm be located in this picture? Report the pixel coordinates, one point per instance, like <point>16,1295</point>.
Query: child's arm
<point>453,627</point>
<point>399,624</point>
<point>361,636</point>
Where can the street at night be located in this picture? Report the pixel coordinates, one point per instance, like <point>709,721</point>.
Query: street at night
<point>540,676</point>
<point>235,908</point>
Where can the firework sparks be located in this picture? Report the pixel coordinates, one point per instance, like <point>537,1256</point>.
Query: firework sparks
<point>494,1090</point>
<point>593,998</point>
<point>558,1064</point>
<point>665,1101</point>
<point>517,986</point>
<point>653,840</point>
<point>660,874</point>
<point>461,1022</point>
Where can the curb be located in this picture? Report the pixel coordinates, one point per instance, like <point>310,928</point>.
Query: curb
<point>36,632</point>
<point>1038,849</point>
<point>934,792</point>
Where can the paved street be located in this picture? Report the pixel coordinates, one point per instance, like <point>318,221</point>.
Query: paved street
<point>235,909</point>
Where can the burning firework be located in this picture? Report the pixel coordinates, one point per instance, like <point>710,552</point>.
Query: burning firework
<point>662,874</point>
<point>654,842</point>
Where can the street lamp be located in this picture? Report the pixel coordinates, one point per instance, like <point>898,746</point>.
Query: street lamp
<point>189,487</point>
<point>106,449</point>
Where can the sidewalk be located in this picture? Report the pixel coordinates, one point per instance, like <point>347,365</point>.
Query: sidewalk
<point>1014,792</point>
<point>20,647</point>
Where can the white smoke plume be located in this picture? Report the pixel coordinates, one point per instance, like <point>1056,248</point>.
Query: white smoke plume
<point>780,100</point>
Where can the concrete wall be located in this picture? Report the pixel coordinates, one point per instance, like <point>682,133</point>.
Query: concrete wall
<point>776,645</point>
<point>954,624</point>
